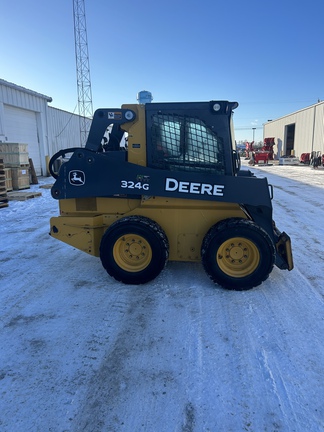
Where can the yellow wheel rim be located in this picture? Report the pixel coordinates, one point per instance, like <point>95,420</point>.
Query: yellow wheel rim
<point>238,257</point>
<point>132,253</point>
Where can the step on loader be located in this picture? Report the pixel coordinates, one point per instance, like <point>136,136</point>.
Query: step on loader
<point>162,181</point>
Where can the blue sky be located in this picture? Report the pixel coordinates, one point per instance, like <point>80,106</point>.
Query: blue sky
<point>268,56</point>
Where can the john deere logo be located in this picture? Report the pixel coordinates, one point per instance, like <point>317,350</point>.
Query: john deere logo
<point>76,178</point>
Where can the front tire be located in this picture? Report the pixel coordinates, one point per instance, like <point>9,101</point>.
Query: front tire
<point>134,250</point>
<point>238,254</point>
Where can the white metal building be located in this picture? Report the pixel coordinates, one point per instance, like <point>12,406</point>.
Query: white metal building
<point>26,118</point>
<point>299,132</point>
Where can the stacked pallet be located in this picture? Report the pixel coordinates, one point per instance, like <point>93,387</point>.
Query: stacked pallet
<point>3,189</point>
<point>16,161</point>
<point>8,179</point>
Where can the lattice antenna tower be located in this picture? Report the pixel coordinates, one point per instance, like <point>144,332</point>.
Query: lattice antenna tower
<point>82,69</point>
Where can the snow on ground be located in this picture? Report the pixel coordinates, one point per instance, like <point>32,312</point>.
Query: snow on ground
<point>81,352</point>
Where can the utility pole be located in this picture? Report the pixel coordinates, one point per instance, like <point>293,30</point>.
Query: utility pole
<point>82,69</point>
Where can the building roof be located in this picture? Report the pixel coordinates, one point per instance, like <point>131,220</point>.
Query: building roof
<point>295,112</point>
<point>25,90</point>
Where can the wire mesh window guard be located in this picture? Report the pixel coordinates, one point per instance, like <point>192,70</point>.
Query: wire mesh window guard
<point>181,143</point>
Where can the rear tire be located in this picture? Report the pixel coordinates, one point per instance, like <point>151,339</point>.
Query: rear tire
<point>134,250</point>
<point>238,254</point>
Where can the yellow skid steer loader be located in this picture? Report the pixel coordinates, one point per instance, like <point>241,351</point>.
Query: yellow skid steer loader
<point>162,181</point>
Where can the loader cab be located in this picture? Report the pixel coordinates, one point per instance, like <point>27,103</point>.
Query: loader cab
<point>177,136</point>
<point>194,137</point>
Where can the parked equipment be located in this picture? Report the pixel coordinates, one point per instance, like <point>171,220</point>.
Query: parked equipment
<point>316,159</point>
<point>259,156</point>
<point>263,154</point>
<point>173,192</point>
<point>268,144</point>
<point>305,158</point>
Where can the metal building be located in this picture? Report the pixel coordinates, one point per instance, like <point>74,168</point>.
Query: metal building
<point>299,132</point>
<point>26,118</point>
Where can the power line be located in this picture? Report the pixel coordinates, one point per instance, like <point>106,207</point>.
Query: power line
<point>72,114</point>
<point>248,128</point>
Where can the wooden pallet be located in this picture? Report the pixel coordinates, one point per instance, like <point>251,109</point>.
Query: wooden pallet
<point>22,196</point>
<point>3,189</point>
<point>3,202</point>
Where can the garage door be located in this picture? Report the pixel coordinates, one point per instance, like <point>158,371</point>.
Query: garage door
<point>21,127</point>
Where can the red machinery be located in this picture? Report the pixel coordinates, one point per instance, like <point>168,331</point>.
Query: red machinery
<point>264,154</point>
<point>260,156</point>
<point>249,148</point>
<point>268,144</point>
<point>305,158</point>
<point>308,158</point>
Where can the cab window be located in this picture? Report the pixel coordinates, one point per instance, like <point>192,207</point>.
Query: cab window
<point>182,143</point>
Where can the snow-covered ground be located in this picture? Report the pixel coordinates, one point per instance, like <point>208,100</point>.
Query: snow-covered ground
<point>81,352</point>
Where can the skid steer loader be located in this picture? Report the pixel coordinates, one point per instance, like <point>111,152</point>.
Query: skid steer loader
<point>162,181</point>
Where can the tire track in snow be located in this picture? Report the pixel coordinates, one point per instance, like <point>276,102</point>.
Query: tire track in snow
<point>287,349</point>
<point>135,372</point>
<point>298,214</point>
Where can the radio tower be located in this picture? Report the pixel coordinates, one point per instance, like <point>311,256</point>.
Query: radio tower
<point>82,69</point>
